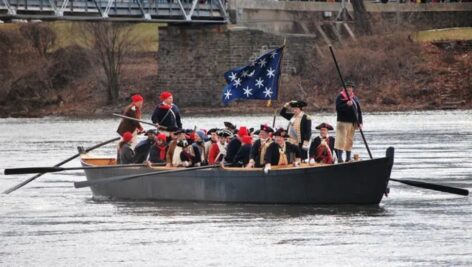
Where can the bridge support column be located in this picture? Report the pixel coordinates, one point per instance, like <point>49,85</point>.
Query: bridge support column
<point>192,60</point>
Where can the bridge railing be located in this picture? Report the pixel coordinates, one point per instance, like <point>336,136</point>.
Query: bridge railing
<point>189,11</point>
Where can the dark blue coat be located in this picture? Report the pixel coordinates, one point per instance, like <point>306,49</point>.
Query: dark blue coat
<point>232,149</point>
<point>141,151</point>
<point>346,113</point>
<point>169,118</point>
<point>242,157</point>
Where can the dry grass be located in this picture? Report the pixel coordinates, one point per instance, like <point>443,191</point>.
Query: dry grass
<point>450,34</point>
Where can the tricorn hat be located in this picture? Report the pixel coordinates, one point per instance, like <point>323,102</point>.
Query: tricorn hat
<point>224,133</point>
<point>325,125</point>
<point>179,131</point>
<point>182,143</point>
<point>266,128</point>
<point>350,83</point>
<point>298,104</point>
<point>212,130</point>
<point>229,125</point>
<point>281,132</point>
<point>151,131</point>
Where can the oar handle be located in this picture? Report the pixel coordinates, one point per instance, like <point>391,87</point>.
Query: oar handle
<point>59,169</point>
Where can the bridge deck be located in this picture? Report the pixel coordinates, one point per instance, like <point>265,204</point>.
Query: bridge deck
<point>178,11</point>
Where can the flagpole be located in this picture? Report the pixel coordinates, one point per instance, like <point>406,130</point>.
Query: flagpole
<point>278,82</point>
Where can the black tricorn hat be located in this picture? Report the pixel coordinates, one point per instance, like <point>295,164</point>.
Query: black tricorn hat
<point>229,125</point>
<point>212,130</point>
<point>224,133</point>
<point>350,83</point>
<point>183,143</point>
<point>151,131</point>
<point>325,125</point>
<point>266,128</point>
<point>298,104</point>
<point>179,131</point>
<point>281,132</point>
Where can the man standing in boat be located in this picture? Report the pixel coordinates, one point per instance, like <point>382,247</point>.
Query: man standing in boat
<point>349,118</point>
<point>259,148</point>
<point>299,129</point>
<point>322,147</point>
<point>167,115</point>
<point>281,152</point>
<point>133,110</point>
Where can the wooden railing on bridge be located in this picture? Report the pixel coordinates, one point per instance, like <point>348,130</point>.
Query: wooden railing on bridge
<point>169,11</point>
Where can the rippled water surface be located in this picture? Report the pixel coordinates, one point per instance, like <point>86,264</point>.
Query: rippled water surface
<point>49,223</point>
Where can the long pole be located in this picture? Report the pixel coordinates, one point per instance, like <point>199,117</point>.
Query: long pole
<point>18,186</point>
<point>349,99</point>
<point>141,121</point>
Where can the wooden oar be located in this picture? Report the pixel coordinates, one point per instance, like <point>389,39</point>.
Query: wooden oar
<point>436,187</point>
<point>141,121</point>
<point>133,176</point>
<point>8,191</point>
<point>349,99</point>
<point>60,169</point>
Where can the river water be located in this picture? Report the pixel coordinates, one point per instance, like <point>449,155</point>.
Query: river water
<point>50,223</point>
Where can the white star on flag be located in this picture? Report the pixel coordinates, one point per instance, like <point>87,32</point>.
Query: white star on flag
<point>247,91</point>
<point>259,83</point>
<point>245,73</point>
<point>228,94</point>
<point>252,73</point>
<point>272,55</point>
<point>270,72</point>
<point>232,76</point>
<point>262,62</point>
<point>268,92</point>
<point>237,82</point>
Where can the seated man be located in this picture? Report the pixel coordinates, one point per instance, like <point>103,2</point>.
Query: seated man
<point>281,152</point>
<point>159,149</point>
<point>125,154</point>
<point>141,151</point>
<point>259,148</point>
<point>235,144</point>
<point>322,147</point>
<point>218,149</point>
<point>242,157</point>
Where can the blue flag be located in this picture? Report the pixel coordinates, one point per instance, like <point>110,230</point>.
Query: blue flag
<point>258,80</point>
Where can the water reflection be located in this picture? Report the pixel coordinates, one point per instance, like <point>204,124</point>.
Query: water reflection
<point>171,208</point>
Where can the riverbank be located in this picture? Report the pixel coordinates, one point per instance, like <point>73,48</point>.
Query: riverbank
<point>393,73</point>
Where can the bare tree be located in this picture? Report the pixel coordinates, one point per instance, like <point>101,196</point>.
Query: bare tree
<point>111,43</point>
<point>40,37</point>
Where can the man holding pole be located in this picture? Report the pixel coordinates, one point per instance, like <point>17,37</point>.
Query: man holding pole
<point>349,118</point>
<point>133,110</point>
<point>167,115</point>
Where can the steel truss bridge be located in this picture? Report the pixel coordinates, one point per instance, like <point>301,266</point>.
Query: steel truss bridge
<point>166,11</point>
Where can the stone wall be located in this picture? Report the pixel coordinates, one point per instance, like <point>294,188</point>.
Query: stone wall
<point>192,60</point>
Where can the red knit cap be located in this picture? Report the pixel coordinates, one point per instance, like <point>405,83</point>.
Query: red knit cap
<point>165,95</point>
<point>137,98</point>
<point>161,136</point>
<point>247,140</point>
<point>242,131</point>
<point>127,136</point>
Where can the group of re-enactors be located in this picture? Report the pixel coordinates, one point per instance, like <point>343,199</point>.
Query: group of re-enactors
<point>172,146</point>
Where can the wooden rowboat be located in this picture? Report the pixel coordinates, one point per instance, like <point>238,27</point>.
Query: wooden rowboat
<point>359,182</point>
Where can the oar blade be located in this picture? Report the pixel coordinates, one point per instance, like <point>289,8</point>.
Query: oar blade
<point>436,187</point>
<point>32,170</point>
